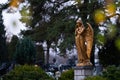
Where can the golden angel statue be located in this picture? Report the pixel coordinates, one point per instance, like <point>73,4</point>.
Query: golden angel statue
<point>84,42</point>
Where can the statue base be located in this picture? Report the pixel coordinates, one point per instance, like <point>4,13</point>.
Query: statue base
<point>80,72</point>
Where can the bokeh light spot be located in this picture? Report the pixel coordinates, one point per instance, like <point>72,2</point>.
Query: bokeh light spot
<point>111,8</point>
<point>99,16</point>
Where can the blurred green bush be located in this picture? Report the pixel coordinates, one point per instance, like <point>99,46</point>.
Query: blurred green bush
<point>67,75</point>
<point>95,78</point>
<point>112,73</point>
<point>26,72</point>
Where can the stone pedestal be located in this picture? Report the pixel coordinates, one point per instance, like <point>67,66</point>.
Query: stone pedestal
<point>83,71</point>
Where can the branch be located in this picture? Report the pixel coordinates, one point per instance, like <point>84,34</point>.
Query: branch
<point>113,15</point>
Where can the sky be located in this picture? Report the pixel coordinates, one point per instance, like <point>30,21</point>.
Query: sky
<point>3,1</point>
<point>11,21</point>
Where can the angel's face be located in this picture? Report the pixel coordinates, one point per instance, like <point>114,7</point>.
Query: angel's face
<point>79,24</point>
<point>79,28</point>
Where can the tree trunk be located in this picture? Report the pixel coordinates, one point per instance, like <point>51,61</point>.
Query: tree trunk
<point>47,54</point>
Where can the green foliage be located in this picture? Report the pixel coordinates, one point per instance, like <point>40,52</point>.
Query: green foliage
<point>25,52</point>
<point>26,72</point>
<point>100,39</point>
<point>3,47</point>
<point>53,23</point>
<point>112,73</point>
<point>111,30</point>
<point>60,23</point>
<point>109,53</point>
<point>95,78</point>
<point>26,15</point>
<point>117,43</point>
<point>11,47</point>
<point>39,55</point>
<point>108,43</point>
<point>67,75</point>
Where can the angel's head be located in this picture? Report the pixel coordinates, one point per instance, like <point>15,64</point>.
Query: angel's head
<point>79,23</point>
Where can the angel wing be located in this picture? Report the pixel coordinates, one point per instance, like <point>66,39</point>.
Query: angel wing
<point>88,35</point>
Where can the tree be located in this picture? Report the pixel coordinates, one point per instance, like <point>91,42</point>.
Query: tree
<point>3,47</point>
<point>109,53</point>
<point>39,55</point>
<point>55,23</point>
<point>47,30</point>
<point>25,52</point>
<point>12,47</point>
<point>108,39</point>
